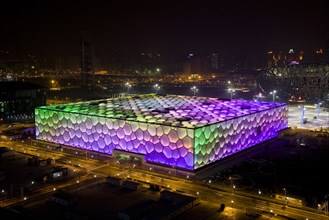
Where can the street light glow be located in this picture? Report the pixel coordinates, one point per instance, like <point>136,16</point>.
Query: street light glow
<point>156,87</point>
<point>128,85</point>
<point>273,94</point>
<point>194,89</point>
<point>231,91</point>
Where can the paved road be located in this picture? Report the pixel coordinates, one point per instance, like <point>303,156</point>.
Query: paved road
<point>207,192</point>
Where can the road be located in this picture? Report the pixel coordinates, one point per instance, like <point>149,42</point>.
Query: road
<point>81,161</point>
<point>207,192</point>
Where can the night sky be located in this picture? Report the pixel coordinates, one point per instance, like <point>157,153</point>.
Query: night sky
<point>249,28</point>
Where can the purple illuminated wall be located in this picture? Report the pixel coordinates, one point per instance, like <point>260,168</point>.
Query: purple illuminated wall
<point>187,132</point>
<point>216,141</point>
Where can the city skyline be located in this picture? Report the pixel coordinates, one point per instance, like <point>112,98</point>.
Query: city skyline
<point>48,30</point>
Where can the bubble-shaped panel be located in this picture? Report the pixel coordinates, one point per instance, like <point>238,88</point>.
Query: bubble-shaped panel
<point>182,131</point>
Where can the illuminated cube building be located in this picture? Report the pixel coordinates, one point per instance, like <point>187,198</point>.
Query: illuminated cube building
<point>182,131</point>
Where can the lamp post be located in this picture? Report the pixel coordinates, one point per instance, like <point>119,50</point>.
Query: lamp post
<point>303,113</point>
<point>2,196</point>
<point>285,193</point>
<point>156,87</point>
<point>52,83</point>
<point>194,89</point>
<point>318,105</point>
<point>273,94</point>
<point>232,185</point>
<point>258,96</point>
<point>128,86</point>
<point>232,92</point>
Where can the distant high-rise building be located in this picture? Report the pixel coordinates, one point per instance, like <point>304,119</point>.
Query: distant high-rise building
<point>270,62</point>
<point>19,99</point>
<point>292,57</point>
<point>87,60</point>
<point>319,56</point>
<point>280,59</point>
<point>215,62</point>
<point>326,51</point>
<point>197,64</point>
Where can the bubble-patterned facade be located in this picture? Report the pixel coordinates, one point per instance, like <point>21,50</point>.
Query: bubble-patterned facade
<point>181,131</point>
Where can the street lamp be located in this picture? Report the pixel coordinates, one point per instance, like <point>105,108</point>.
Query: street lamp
<point>319,103</point>
<point>2,195</point>
<point>52,83</point>
<point>232,92</point>
<point>156,87</point>
<point>303,113</point>
<point>128,86</point>
<point>258,96</point>
<point>273,94</point>
<point>285,193</point>
<point>194,89</point>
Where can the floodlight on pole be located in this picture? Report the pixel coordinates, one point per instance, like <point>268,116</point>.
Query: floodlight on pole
<point>273,94</point>
<point>128,85</point>
<point>318,105</point>
<point>156,87</point>
<point>232,92</point>
<point>258,96</point>
<point>194,89</point>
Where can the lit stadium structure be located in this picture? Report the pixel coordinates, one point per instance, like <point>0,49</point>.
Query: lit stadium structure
<point>181,131</point>
<point>309,81</point>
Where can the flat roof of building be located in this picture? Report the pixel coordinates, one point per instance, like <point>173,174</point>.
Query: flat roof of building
<point>63,195</point>
<point>171,110</point>
<point>139,207</point>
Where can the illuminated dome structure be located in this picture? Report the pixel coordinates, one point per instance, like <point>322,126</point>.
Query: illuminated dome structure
<point>187,132</point>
